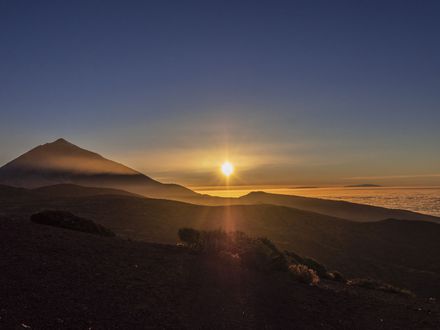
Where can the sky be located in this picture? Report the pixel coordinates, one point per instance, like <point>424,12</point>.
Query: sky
<point>291,92</point>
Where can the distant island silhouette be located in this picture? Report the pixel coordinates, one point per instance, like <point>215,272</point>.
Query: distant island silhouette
<point>363,185</point>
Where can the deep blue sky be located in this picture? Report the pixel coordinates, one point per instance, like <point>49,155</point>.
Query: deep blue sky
<point>294,92</point>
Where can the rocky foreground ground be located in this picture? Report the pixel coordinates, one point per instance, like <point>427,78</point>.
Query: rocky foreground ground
<point>52,278</point>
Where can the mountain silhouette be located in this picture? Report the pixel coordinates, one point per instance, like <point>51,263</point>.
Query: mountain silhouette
<point>62,162</point>
<point>63,165</point>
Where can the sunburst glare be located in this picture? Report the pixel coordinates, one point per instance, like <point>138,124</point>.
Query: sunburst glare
<point>227,169</point>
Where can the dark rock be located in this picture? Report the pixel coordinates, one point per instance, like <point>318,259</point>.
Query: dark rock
<point>68,220</point>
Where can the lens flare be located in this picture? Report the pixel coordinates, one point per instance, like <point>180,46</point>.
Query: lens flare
<point>227,168</point>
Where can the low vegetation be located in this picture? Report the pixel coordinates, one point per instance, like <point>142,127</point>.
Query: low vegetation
<point>334,275</point>
<point>70,221</point>
<point>319,268</point>
<point>378,285</point>
<point>257,253</point>
<point>237,248</point>
<point>190,237</point>
<point>304,274</point>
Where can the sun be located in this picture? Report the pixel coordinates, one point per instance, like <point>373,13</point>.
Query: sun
<point>227,169</point>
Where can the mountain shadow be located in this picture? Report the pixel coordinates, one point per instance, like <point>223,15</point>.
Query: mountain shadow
<point>63,162</point>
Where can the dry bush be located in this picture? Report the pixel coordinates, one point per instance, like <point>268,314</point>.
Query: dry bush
<point>189,237</point>
<point>304,274</point>
<point>334,275</point>
<point>320,269</point>
<point>256,253</point>
<point>262,254</point>
<point>378,285</point>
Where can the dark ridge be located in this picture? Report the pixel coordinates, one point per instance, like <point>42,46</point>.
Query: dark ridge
<point>70,221</point>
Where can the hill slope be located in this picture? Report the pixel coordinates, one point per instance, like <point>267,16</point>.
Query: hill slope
<point>55,278</point>
<point>399,252</point>
<point>340,209</point>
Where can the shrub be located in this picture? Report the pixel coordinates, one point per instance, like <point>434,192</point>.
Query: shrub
<point>214,241</point>
<point>262,255</point>
<point>378,285</point>
<point>304,274</point>
<point>294,258</point>
<point>320,269</point>
<point>334,275</point>
<point>189,236</point>
<point>70,221</point>
<point>278,259</point>
<point>257,253</point>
